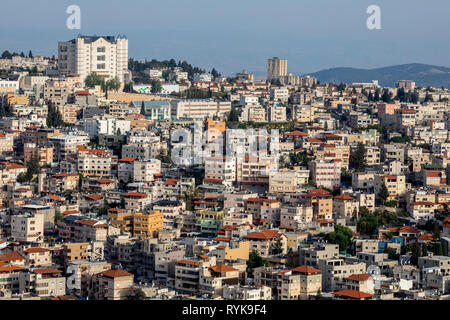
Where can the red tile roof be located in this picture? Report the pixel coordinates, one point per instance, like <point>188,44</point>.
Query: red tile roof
<point>94,196</point>
<point>263,235</point>
<point>354,294</point>
<point>307,270</point>
<point>67,212</point>
<point>11,256</point>
<point>116,273</point>
<point>10,268</point>
<point>343,197</point>
<point>297,133</point>
<point>359,277</point>
<point>193,263</point>
<point>171,182</point>
<point>35,250</point>
<point>220,268</point>
<point>104,181</point>
<point>46,270</point>
<point>135,195</point>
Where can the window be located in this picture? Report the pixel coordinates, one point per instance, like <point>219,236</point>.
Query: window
<point>101,49</point>
<point>101,66</point>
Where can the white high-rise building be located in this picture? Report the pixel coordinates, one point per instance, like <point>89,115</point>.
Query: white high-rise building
<point>276,68</point>
<point>107,56</point>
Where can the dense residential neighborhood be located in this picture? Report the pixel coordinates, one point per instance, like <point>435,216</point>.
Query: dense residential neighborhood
<point>127,179</point>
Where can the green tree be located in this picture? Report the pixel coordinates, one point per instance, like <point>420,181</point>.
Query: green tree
<point>341,236</point>
<point>392,253</point>
<point>30,54</point>
<point>436,231</point>
<point>319,294</point>
<point>383,194</point>
<point>424,250</point>
<point>255,261</point>
<point>156,86</point>
<point>377,95</point>
<point>358,158</point>
<point>387,96</point>
<point>33,166</point>
<point>138,294</point>
<point>437,249</point>
<point>428,98</point>
<point>292,261</point>
<point>415,254</point>
<point>58,216</point>
<point>6,55</point>
<point>93,80</point>
<point>143,108</point>
<point>234,115</point>
<point>277,247</point>
<point>22,177</point>
<point>298,158</point>
<point>112,84</point>
<point>54,118</point>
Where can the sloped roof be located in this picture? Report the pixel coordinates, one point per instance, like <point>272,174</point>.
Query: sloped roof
<point>220,268</point>
<point>263,235</point>
<point>116,273</point>
<point>306,269</point>
<point>354,294</point>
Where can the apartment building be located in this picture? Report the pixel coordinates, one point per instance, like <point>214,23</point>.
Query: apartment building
<point>44,155</point>
<point>93,162</point>
<point>146,224</point>
<point>261,208</point>
<point>326,173</point>
<point>137,201</point>
<point>265,241</point>
<point>321,202</point>
<point>294,217</point>
<point>107,56</point>
<point>199,109</point>
<point>239,292</point>
<point>144,171</point>
<point>299,282</point>
<point>276,68</point>
<point>111,126</point>
<point>44,282</point>
<point>213,279</point>
<point>310,256</point>
<point>345,206</point>
<point>187,274</point>
<point>114,284</point>
<point>81,251</point>
<point>220,168</point>
<point>396,185</point>
<point>28,227</point>
<point>335,270</point>
<point>66,145</point>
<point>279,94</point>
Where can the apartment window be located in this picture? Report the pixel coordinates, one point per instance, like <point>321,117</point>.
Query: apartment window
<point>101,58</point>
<point>101,49</point>
<point>101,66</point>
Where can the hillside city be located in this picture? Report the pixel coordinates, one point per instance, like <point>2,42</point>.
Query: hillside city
<point>126,179</point>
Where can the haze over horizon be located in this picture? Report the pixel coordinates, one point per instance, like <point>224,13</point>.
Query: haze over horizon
<point>231,36</point>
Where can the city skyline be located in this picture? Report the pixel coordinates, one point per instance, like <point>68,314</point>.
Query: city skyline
<point>210,36</point>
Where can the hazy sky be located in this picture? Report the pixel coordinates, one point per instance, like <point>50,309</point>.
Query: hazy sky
<point>236,34</point>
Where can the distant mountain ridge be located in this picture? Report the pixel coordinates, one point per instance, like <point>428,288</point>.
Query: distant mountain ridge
<point>423,74</point>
